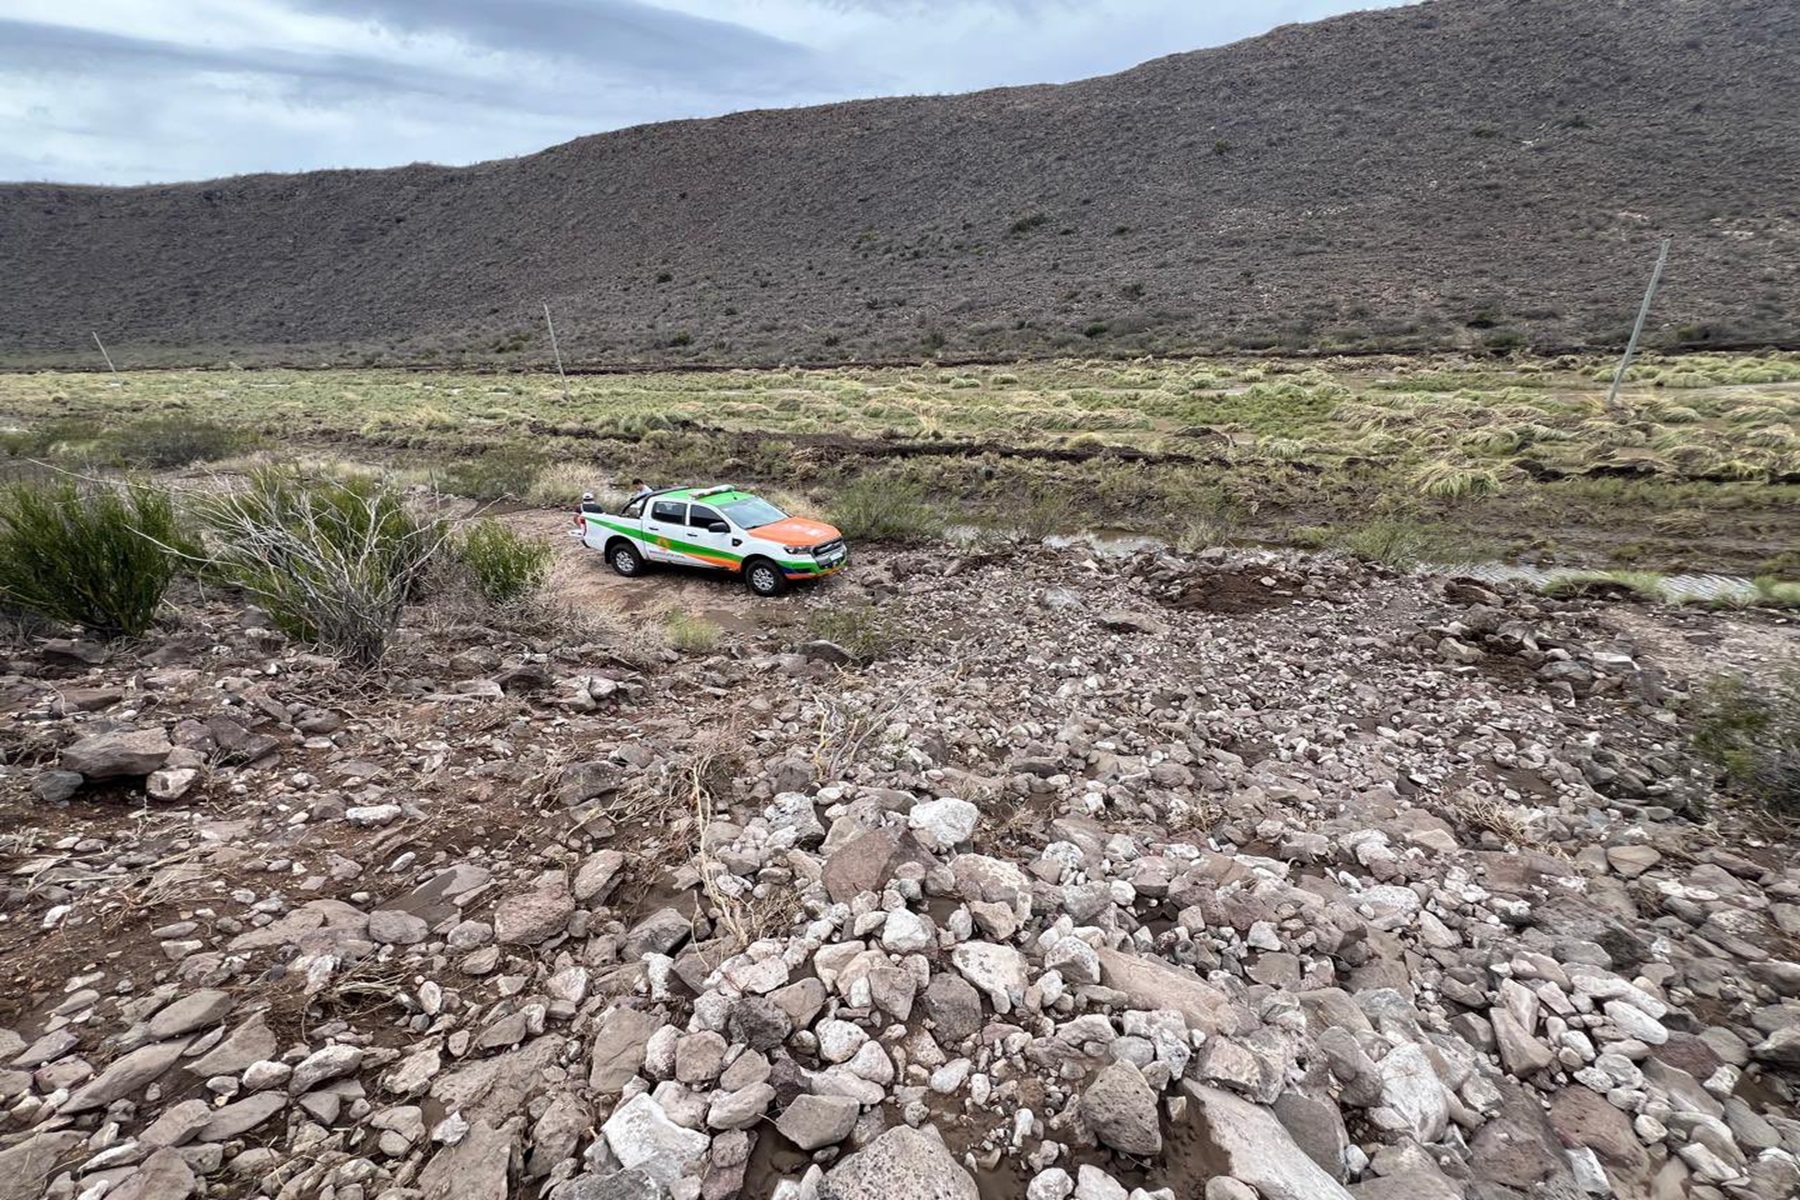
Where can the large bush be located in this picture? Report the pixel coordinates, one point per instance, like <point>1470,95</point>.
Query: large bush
<point>1750,729</point>
<point>504,564</point>
<point>874,509</point>
<point>333,561</point>
<point>96,556</point>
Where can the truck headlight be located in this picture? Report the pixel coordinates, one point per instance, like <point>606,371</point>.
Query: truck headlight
<point>797,549</point>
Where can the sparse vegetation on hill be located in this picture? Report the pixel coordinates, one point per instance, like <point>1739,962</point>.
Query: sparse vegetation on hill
<point>1491,186</point>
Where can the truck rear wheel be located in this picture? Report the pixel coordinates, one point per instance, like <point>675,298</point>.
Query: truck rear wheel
<point>624,558</point>
<point>764,577</point>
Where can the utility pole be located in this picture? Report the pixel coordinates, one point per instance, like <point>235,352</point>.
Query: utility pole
<point>556,350</point>
<point>1637,331</point>
<point>103,353</point>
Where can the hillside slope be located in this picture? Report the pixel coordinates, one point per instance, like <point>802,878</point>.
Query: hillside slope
<point>1462,172</point>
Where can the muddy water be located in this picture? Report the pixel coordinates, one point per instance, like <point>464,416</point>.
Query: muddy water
<point>1123,543</point>
<point>1701,586</point>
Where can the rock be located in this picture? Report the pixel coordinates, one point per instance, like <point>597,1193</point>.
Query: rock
<point>165,1175</point>
<point>1120,1109</point>
<point>118,754</point>
<point>618,1050</point>
<point>811,1122</point>
<point>740,1109</point>
<point>177,1124</point>
<point>616,1185</point>
<point>55,787</point>
<point>905,932</point>
<point>1317,1127</point>
<point>536,916</point>
<point>1521,1054</point>
<point>902,1162</point>
<point>26,1166</point>
<point>1632,861</point>
<point>235,1120</point>
<point>1152,984</point>
<point>659,933</point>
<point>641,1135</point>
<point>997,971</point>
<point>862,864</point>
<point>597,876</point>
<point>1250,1145</point>
<point>1411,1088</point>
<point>580,782</point>
<point>190,1013</point>
<point>171,783</point>
<point>322,1066</point>
<point>249,1043</point>
<point>372,815</point>
<point>1582,1117</point>
<point>953,1006</point>
<point>125,1076</point>
<point>944,823</point>
<point>1053,1184</point>
<point>477,1167</point>
<point>1120,621</point>
<point>1091,1183</point>
<point>392,927</point>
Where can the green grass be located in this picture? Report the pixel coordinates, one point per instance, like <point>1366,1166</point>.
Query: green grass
<point>1520,446</point>
<point>862,631</point>
<point>505,565</point>
<point>97,556</point>
<point>1396,541</point>
<point>1750,730</point>
<point>690,634</point>
<point>1645,586</point>
<point>885,510</point>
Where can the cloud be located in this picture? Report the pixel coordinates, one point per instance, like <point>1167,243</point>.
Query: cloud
<point>116,91</point>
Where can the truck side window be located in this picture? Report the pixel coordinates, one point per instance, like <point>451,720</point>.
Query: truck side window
<point>700,518</point>
<point>672,511</point>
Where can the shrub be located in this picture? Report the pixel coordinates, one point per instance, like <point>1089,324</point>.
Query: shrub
<point>52,439</point>
<point>863,632</point>
<point>163,443</point>
<point>1448,481</point>
<point>690,634</point>
<point>1751,732</point>
<point>504,564</point>
<point>98,557</point>
<point>875,509</point>
<point>1644,586</point>
<point>333,561</point>
<point>503,473</point>
<point>1395,541</point>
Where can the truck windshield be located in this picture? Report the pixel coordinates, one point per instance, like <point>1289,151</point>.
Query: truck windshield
<point>752,513</point>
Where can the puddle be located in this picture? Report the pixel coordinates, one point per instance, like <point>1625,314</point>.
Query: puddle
<point>1689,587</point>
<point>1105,543</point>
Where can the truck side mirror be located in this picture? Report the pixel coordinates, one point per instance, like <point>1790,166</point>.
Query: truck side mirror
<point>717,527</point>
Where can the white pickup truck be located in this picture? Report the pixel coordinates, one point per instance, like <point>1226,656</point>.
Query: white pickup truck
<point>720,527</point>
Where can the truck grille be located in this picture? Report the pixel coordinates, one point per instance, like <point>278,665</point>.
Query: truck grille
<point>825,551</point>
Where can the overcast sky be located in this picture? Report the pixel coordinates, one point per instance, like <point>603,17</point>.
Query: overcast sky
<point>132,91</point>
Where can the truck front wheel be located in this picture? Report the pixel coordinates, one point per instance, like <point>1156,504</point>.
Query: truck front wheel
<point>624,558</point>
<point>764,577</point>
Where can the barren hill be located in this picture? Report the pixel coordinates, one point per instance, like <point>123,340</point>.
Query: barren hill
<point>1458,173</point>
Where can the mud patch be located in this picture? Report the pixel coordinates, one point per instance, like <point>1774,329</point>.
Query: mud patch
<point>1234,593</point>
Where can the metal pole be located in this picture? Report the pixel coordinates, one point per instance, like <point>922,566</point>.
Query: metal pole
<point>556,350</point>
<point>103,353</point>
<point>1612,395</point>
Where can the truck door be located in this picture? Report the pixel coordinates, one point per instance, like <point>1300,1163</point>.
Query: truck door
<point>665,525</point>
<point>713,547</point>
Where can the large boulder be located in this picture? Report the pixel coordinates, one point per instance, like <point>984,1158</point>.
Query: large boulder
<point>1120,1109</point>
<point>1249,1144</point>
<point>902,1162</point>
<point>122,753</point>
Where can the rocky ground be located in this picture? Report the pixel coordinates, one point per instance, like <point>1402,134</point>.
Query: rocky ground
<point>1228,877</point>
